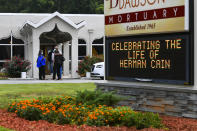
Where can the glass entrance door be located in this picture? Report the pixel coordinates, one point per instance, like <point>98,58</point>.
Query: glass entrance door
<point>46,50</point>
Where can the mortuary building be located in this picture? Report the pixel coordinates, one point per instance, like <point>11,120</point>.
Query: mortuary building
<point>76,35</point>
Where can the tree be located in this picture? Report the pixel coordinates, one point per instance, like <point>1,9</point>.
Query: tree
<point>49,6</point>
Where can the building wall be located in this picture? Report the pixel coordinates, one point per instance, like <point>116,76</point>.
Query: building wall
<point>14,22</point>
<point>180,102</point>
<point>95,23</point>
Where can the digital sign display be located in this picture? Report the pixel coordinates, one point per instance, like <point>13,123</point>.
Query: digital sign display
<point>144,58</point>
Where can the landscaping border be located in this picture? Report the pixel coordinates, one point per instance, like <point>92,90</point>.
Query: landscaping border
<point>180,102</point>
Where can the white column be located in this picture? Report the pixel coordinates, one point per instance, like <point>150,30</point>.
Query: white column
<point>30,73</point>
<point>27,44</point>
<point>26,53</point>
<point>66,56</point>
<point>25,47</point>
<point>29,53</point>
<point>36,48</point>
<point>89,44</point>
<point>74,57</point>
<point>60,47</point>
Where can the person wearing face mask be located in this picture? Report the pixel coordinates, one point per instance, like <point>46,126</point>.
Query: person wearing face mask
<point>60,59</point>
<point>41,62</point>
<point>50,64</point>
<point>57,65</point>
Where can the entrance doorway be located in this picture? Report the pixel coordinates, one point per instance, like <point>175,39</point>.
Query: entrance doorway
<point>48,40</point>
<point>46,50</point>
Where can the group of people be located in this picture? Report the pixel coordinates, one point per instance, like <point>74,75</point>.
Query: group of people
<point>55,60</point>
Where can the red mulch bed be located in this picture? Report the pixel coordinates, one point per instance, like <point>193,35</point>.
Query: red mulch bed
<point>10,120</point>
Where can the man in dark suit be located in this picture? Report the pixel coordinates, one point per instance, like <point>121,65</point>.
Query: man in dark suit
<point>58,62</point>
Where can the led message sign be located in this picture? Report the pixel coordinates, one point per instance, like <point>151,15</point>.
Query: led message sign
<point>165,58</point>
<point>128,17</point>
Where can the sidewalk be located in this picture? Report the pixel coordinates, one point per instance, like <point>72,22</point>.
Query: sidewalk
<point>30,81</point>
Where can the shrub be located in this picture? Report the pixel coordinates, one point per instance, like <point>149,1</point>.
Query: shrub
<point>29,113</point>
<point>14,67</point>
<point>63,110</point>
<point>146,120</point>
<point>13,107</point>
<point>73,114</point>
<point>3,75</point>
<point>123,116</point>
<point>29,110</point>
<point>97,98</point>
<point>57,101</point>
<point>104,115</point>
<point>50,116</point>
<point>86,64</point>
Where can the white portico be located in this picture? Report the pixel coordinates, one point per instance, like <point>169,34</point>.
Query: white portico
<point>60,30</point>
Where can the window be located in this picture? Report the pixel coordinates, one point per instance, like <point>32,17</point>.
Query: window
<point>18,51</point>
<point>81,49</point>
<point>70,51</point>
<point>6,41</point>
<point>97,47</point>
<point>5,52</point>
<point>10,47</point>
<point>81,42</point>
<point>81,52</point>
<point>17,41</point>
<point>97,50</point>
<point>1,65</point>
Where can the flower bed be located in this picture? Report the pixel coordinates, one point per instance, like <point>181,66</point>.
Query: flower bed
<point>14,67</point>
<point>12,121</point>
<point>64,110</point>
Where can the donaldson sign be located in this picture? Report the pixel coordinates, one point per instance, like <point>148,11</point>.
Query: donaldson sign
<point>129,17</point>
<point>165,58</point>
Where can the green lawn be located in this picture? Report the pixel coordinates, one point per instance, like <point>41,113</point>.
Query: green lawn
<point>12,92</point>
<point>4,129</point>
<point>3,78</point>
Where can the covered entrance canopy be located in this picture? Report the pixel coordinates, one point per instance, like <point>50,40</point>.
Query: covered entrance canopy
<point>48,40</point>
<point>53,29</point>
<point>55,36</point>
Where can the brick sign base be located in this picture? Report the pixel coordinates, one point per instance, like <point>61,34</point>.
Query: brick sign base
<point>180,102</point>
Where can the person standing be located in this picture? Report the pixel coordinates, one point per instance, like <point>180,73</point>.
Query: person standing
<point>57,65</point>
<point>53,54</point>
<point>50,60</point>
<point>41,62</point>
<point>62,59</point>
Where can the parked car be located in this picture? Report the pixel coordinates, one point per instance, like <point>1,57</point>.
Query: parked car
<point>98,70</point>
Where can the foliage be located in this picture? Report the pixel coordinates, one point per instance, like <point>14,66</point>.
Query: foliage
<point>145,120</point>
<point>124,116</point>
<point>86,64</point>
<point>50,6</point>
<point>97,98</point>
<point>74,114</point>
<point>46,91</point>
<point>5,129</point>
<point>104,115</point>
<point>14,67</point>
<point>63,110</point>
<point>3,75</point>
